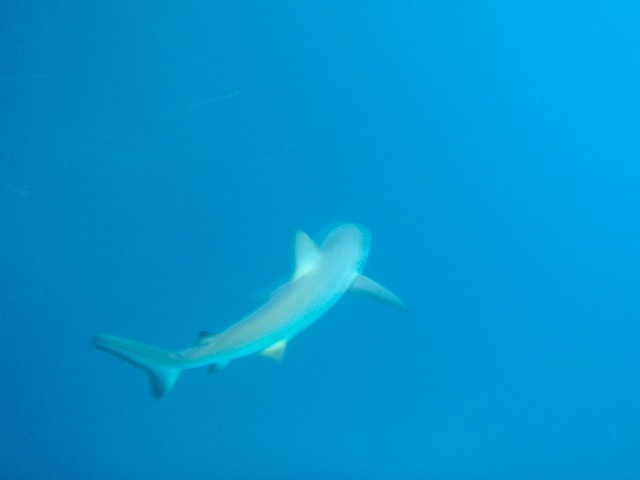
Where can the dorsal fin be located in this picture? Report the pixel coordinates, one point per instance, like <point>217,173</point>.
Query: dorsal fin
<point>307,254</point>
<point>204,337</point>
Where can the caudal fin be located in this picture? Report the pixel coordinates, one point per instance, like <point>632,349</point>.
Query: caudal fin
<point>162,366</point>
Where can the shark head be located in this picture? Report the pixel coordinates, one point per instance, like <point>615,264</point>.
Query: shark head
<point>350,242</point>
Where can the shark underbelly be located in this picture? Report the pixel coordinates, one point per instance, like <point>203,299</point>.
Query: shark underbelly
<point>293,308</point>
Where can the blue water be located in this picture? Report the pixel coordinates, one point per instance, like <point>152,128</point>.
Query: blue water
<point>157,158</point>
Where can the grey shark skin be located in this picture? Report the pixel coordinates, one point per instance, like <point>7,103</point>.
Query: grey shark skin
<point>323,274</point>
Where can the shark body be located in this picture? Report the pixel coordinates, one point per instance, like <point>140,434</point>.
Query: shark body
<point>323,274</point>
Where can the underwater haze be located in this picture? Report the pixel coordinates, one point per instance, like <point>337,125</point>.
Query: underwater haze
<point>158,158</point>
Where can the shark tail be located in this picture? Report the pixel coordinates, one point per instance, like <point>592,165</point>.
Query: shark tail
<point>162,366</point>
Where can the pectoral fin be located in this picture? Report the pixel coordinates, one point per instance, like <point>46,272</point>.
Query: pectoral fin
<point>368,287</point>
<point>275,351</point>
<point>307,255</point>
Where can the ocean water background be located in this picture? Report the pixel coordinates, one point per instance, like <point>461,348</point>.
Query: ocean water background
<point>156,160</point>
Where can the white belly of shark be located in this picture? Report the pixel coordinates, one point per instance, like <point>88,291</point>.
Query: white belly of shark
<point>323,274</point>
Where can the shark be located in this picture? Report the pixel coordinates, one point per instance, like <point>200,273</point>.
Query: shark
<point>323,274</point>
